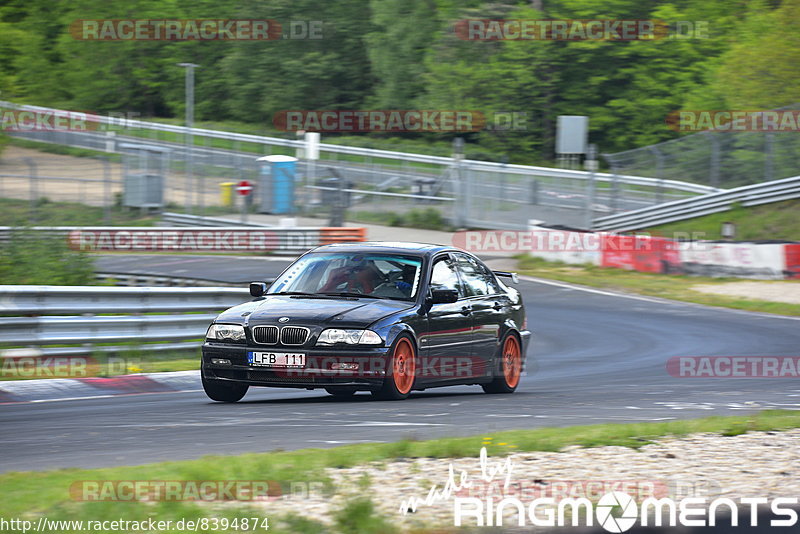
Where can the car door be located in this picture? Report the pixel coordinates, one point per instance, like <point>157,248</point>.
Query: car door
<point>448,340</point>
<point>487,309</point>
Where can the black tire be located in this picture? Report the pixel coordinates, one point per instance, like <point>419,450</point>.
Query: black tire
<point>341,391</point>
<point>389,390</point>
<point>223,391</point>
<point>506,382</point>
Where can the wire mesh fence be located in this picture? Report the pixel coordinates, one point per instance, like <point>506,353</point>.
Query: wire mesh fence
<point>718,158</point>
<point>376,186</point>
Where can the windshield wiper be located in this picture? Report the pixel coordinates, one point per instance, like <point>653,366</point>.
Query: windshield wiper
<point>351,294</point>
<point>300,293</point>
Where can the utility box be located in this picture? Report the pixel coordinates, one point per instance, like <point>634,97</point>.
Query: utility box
<point>572,134</point>
<point>144,170</point>
<point>277,184</point>
<point>333,192</point>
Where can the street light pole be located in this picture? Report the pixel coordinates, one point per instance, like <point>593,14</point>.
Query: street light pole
<point>190,133</point>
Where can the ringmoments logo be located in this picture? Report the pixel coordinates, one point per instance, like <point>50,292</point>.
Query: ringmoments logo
<point>615,511</point>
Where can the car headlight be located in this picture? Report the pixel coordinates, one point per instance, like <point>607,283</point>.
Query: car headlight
<point>331,336</point>
<point>226,332</point>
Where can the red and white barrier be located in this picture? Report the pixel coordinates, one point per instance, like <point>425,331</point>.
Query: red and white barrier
<point>640,252</point>
<point>739,260</point>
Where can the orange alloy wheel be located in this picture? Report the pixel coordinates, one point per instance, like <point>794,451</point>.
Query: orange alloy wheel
<point>404,366</point>
<point>512,363</point>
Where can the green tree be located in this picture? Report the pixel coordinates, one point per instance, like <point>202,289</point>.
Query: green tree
<point>329,73</point>
<point>402,31</point>
<point>762,69</point>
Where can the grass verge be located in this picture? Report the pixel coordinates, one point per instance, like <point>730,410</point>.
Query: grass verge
<point>675,287</point>
<point>44,212</point>
<point>100,366</point>
<point>778,220</point>
<point>32,494</point>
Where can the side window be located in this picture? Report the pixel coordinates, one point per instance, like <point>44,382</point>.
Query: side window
<point>444,275</point>
<point>491,280</point>
<point>476,281</point>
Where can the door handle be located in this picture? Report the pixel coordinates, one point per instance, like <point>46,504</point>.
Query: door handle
<point>466,310</point>
<point>497,306</point>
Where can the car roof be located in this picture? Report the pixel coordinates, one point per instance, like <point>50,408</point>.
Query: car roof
<point>400,247</point>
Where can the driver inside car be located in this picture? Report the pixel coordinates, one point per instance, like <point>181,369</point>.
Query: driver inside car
<point>359,276</point>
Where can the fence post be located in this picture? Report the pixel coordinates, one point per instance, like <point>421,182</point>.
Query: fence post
<point>534,198</point>
<point>463,191</point>
<point>769,169</point>
<point>659,173</point>
<point>714,166</point>
<point>591,165</point>
<point>106,189</point>
<point>614,187</point>
<point>34,188</point>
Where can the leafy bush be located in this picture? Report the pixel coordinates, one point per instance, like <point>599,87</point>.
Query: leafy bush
<point>28,258</point>
<point>427,219</point>
<point>360,517</point>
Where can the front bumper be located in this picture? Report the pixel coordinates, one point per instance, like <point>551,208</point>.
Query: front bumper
<point>317,372</point>
<point>525,335</point>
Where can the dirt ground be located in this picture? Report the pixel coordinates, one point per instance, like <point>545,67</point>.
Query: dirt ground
<point>776,291</point>
<point>73,179</point>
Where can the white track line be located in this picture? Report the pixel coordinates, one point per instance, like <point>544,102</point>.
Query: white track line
<point>656,300</point>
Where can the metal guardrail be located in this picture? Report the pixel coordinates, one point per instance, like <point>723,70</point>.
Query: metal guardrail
<point>148,279</point>
<point>466,165</point>
<point>53,300</point>
<point>749,195</point>
<point>53,330</point>
<point>182,219</point>
<point>32,316</point>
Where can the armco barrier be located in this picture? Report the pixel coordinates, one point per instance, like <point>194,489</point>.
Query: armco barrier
<point>183,219</point>
<point>770,261</point>
<point>715,202</point>
<point>32,317</point>
<point>198,239</point>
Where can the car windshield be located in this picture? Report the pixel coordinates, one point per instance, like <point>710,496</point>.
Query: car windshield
<point>355,274</point>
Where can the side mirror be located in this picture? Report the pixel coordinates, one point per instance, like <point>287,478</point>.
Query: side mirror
<point>257,289</point>
<point>443,296</point>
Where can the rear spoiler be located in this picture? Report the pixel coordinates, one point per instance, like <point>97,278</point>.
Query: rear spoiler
<point>507,274</point>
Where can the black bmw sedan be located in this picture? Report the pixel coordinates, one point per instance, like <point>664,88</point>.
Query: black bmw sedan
<point>387,318</point>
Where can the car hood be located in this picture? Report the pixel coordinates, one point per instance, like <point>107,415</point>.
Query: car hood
<point>312,311</point>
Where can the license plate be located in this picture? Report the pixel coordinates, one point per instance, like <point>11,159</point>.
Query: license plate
<point>277,359</point>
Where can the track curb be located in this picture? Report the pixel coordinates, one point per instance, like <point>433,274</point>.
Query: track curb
<point>60,389</point>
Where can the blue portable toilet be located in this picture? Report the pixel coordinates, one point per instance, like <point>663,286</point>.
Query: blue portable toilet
<point>276,183</point>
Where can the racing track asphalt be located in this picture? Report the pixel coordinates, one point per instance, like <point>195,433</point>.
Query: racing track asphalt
<point>598,357</point>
